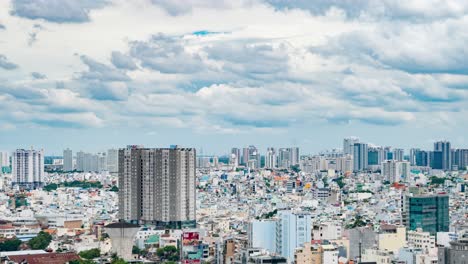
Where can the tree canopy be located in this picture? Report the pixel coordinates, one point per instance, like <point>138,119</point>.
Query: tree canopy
<point>41,241</point>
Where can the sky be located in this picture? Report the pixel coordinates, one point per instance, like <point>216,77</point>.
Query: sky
<point>214,74</point>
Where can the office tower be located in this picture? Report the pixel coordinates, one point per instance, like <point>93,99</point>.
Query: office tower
<point>375,155</point>
<point>461,158</point>
<point>80,161</point>
<point>113,160</point>
<point>398,154</point>
<point>245,156</point>
<point>419,157</point>
<point>236,156</point>
<point>428,212</point>
<point>67,160</point>
<point>157,186</point>
<point>284,158</point>
<point>28,168</point>
<point>360,156</point>
<point>251,157</point>
<point>446,159</point>
<point>394,171</point>
<point>348,145</point>
<point>294,155</point>
<point>436,160</point>
<point>270,158</point>
<point>293,229</point>
<point>456,253</point>
<point>388,154</point>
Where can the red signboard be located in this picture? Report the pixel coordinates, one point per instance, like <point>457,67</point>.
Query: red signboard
<point>191,261</point>
<point>190,239</point>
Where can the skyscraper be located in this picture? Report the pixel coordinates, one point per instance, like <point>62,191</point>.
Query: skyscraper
<point>28,168</point>
<point>284,158</point>
<point>237,156</point>
<point>461,158</point>
<point>80,161</point>
<point>270,158</point>
<point>348,145</point>
<point>360,156</point>
<point>294,155</point>
<point>428,212</point>
<point>245,156</point>
<point>67,159</point>
<point>113,160</point>
<point>4,159</point>
<point>398,154</point>
<point>157,186</point>
<point>419,157</point>
<point>102,161</point>
<point>375,155</point>
<point>251,157</point>
<point>446,157</point>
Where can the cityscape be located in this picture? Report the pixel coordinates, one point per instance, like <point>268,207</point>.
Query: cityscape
<point>361,203</point>
<point>234,131</point>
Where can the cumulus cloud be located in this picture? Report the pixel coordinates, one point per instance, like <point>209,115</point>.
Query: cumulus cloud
<point>58,11</point>
<point>414,10</point>
<point>6,64</point>
<point>122,61</point>
<point>166,54</point>
<point>386,63</point>
<point>182,7</point>
<point>38,75</point>
<point>101,71</point>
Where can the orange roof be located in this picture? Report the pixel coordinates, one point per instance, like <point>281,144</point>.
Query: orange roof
<point>49,258</point>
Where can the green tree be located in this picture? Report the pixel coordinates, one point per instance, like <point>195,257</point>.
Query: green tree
<point>91,253</point>
<point>114,189</point>
<point>136,250</point>
<point>118,261</point>
<point>50,187</point>
<point>296,168</point>
<point>41,241</point>
<point>340,182</point>
<point>10,245</point>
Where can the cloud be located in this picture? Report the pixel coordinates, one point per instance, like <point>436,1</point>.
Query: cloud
<point>58,11</point>
<point>122,61</point>
<point>68,120</point>
<point>250,59</point>
<point>102,72</point>
<point>183,7</point>
<point>114,91</point>
<point>6,64</point>
<point>166,54</point>
<point>412,10</point>
<point>38,75</point>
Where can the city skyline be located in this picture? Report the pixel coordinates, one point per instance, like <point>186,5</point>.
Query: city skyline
<point>299,73</point>
<point>263,148</point>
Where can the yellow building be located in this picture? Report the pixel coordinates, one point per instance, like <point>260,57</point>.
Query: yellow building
<point>392,238</point>
<point>308,254</point>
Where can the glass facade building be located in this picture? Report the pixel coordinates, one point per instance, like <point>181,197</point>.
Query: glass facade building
<point>431,213</point>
